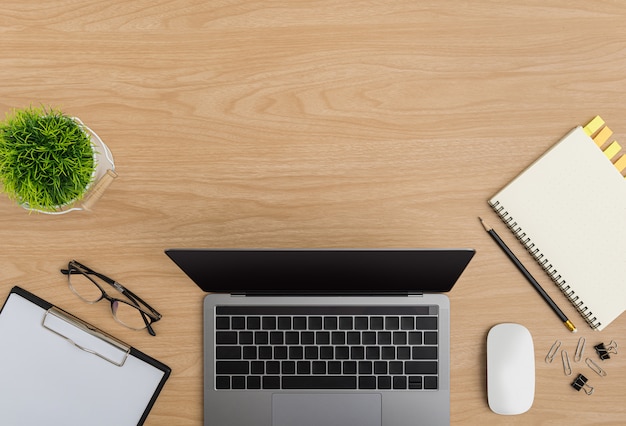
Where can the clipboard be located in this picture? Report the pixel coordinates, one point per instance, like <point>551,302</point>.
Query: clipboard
<point>58,369</point>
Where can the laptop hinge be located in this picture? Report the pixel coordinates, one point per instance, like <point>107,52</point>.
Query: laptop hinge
<point>336,293</point>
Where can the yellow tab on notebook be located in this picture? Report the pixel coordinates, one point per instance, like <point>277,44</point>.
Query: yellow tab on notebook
<point>621,163</point>
<point>612,150</point>
<point>594,125</point>
<point>603,135</point>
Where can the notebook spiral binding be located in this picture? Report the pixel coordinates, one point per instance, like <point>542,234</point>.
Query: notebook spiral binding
<point>545,264</point>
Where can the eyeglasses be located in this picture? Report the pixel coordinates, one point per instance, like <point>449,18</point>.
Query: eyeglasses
<point>133,313</point>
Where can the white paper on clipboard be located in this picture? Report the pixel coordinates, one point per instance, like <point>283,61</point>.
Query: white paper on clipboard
<point>53,372</point>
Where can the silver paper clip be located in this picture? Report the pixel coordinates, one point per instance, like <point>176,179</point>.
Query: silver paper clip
<point>567,369</point>
<point>580,348</point>
<point>552,352</point>
<point>595,367</point>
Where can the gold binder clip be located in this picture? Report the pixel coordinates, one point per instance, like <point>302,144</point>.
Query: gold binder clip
<point>581,383</point>
<point>552,352</point>
<point>595,367</point>
<point>580,348</point>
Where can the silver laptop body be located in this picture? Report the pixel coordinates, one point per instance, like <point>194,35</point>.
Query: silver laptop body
<point>325,337</point>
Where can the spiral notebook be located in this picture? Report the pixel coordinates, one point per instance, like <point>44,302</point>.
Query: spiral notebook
<point>568,209</point>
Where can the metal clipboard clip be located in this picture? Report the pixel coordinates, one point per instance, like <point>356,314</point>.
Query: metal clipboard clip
<point>85,336</point>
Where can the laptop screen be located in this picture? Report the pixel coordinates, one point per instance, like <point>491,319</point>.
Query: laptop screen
<point>327,271</point>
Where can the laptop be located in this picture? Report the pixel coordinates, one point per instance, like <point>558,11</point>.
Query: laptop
<point>325,337</point>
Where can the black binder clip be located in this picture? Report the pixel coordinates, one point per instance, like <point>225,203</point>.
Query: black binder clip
<point>581,383</point>
<point>604,351</point>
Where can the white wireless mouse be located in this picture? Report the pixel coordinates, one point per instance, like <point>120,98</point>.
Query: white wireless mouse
<point>510,369</point>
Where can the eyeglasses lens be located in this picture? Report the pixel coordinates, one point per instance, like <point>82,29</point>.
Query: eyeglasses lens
<point>84,287</point>
<point>128,315</point>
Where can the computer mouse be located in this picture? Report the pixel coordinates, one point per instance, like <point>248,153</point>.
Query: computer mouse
<point>510,369</point>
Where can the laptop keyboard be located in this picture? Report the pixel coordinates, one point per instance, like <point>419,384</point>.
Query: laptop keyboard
<point>326,347</point>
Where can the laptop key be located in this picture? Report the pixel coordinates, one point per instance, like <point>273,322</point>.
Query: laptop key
<point>384,382</point>
<point>272,367</point>
<point>254,382</point>
<point>361,323</point>
<point>415,338</point>
<point>246,338</point>
<point>280,352</point>
<point>376,323</point>
<point>349,367</point>
<point>415,382</point>
<point>249,352</point>
<point>338,338</point>
<point>407,323</point>
<point>265,352</point>
<point>403,352</point>
<point>284,323</point>
<point>318,367</point>
<point>399,338</point>
<point>384,338</point>
<point>261,338</point>
<point>228,352</point>
<point>430,338</point>
<point>368,338</point>
<point>396,367</point>
<point>238,382</point>
<point>426,323</point>
<point>232,367</point>
<point>330,323</point>
<point>222,323</point>
<point>307,338</point>
<point>430,382</point>
<point>277,338</point>
<point>334,367</point>
<point>322,338</point>
<point>380,367</point>
<point>303,367</point>
<point>257,367</point>
<point>399,382</point>
<point>367,382</point>
<point>226,338</point>
<point>271,382</point>
<point>292,338</point>
<point>222,382</point>
<point>315,323</point>
<point>425,352</point>
<point>288,367</point>
<point>345,323</point>
<point>392,323</point>
<point>254,323</point>
<point>420,367</point>
<point>268,323</point>
<point>353,338</point>
<point>319,382</point>
<point>299,323</point>
<point>238,323</point>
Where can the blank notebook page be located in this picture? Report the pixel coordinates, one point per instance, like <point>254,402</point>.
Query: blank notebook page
<point>47,380</point>
<point>569,209</point>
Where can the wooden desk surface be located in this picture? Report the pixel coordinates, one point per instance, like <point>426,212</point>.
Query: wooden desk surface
<point>314,123</point>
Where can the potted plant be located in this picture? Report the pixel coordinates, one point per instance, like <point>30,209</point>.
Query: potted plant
<point>48,160</point>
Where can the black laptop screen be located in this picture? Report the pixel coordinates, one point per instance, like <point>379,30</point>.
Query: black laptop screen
<point>296,271</point>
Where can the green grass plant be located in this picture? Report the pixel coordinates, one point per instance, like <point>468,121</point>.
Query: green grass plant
<point>46,158</point>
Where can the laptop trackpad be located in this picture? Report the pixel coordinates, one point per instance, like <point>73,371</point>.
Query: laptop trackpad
<point>314,409</point>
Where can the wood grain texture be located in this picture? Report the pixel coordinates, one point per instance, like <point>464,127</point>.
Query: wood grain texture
<point>314,123</point>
